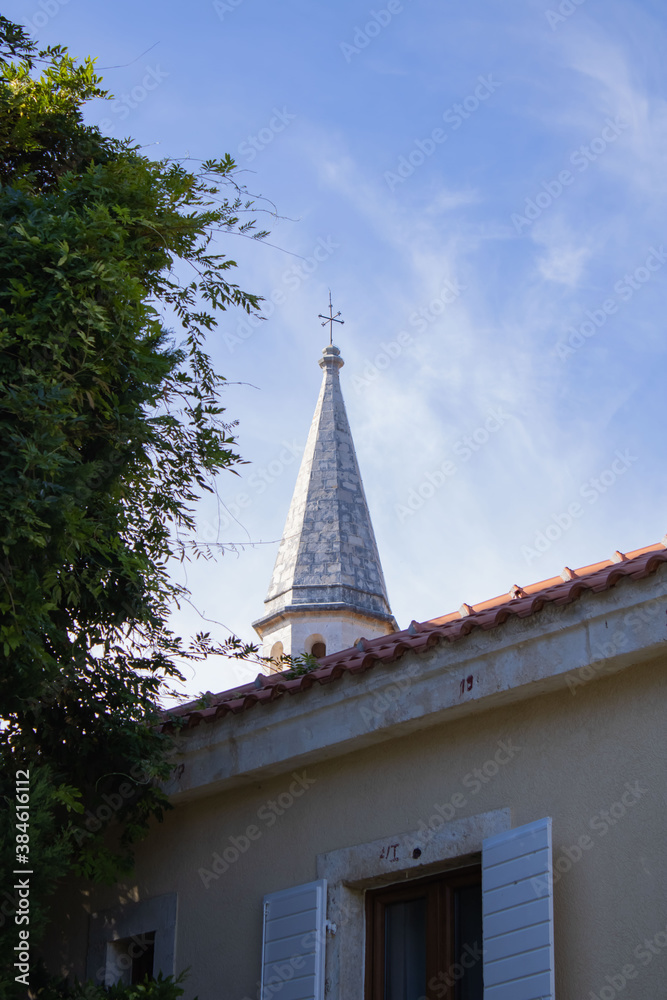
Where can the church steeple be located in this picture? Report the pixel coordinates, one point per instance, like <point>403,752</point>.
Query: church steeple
<point>327,588</point>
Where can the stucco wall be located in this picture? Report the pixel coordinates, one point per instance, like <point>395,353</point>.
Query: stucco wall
<point>576,756</point>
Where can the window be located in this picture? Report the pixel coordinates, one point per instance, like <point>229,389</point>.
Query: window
<point>130,960</point>
<point>424,939</point>
<point>132,941</point>
<point>316,645</point>
<point>277,650</point>
<point>346,932</point>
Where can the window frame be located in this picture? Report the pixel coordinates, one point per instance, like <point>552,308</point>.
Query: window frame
<point>129,972</point>
<point>157,915</point>
<point>351,871</point>
<point>440,924</point>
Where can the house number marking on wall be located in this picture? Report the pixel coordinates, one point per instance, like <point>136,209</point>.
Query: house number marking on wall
<point>466,684</point>
<point>388,853</point>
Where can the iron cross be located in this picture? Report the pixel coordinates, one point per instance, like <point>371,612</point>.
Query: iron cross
<point>331,319</point>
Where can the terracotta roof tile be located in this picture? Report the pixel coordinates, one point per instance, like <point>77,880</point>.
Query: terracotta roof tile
<point>519,602</point>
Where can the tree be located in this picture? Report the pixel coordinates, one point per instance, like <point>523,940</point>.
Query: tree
<point>110,426</point>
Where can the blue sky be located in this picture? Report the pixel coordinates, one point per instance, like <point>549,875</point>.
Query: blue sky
<point>483,188</point>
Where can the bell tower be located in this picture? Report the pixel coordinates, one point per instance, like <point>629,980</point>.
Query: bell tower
<point>327,589</point>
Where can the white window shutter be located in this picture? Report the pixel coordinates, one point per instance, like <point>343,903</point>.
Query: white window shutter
<point>518,914</point>
<point>293,942</point>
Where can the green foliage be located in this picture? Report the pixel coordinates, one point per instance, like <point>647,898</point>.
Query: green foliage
<point>161,988</point>
<point>297,666</point>
<point>110,428</point>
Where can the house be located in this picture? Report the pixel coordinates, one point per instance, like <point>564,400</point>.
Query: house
<point>473,806</point>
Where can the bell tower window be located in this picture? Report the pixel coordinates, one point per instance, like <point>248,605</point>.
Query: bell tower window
<point>277,650</point>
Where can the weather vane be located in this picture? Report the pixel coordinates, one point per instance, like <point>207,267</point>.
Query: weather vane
<point>331,319</point>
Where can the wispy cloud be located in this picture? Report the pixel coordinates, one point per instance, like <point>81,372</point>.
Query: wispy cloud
<point>449,311</point>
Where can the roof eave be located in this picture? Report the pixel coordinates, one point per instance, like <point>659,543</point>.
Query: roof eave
<point>442,682</point>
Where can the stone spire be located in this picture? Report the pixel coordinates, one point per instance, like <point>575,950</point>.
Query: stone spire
<point>327,587</point>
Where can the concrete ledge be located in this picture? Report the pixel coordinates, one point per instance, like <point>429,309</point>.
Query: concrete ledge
<point>393,858</point>
<point>557,648</point>
<point>340,606</point>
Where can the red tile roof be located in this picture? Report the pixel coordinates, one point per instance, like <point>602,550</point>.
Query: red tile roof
<point>520,602</point>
